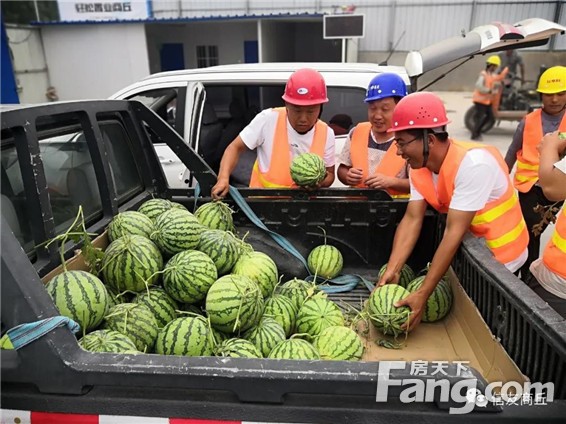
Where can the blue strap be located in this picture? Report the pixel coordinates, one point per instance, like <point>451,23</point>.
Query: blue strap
<point>197,194</point>
<point>341,284</point>
<point>24,334</point>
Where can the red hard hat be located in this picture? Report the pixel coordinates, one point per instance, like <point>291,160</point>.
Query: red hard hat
<point>418,110</point>
<point>305,87</point>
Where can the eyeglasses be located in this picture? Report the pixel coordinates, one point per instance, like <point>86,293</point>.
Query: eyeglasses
<point>406,143</point>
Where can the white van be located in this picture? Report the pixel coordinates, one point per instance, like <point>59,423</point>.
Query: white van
<point>208,107</point>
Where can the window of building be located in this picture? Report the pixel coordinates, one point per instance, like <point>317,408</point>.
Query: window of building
<point>207,56</point>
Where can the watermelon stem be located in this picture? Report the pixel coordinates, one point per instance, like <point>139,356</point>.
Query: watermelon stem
<point>324,232</point>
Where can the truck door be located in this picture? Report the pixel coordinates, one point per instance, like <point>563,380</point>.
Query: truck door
<point>194,109</point>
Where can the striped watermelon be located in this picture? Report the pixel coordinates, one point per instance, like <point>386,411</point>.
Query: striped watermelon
<point>188,275</point>
<point>385,317</point>
<point>260,268</point>
<point>223,248</point>
<point>176,230</point>
<point>339,343</point>
<point>294,348</point>
<point>192,309</point>
<point>115,298</point>
<point>107,341</point>
<point>308,169</point>
<point>154,207</point>
<point>405,276</point>
<point>130,223</point>
<point>164,308</point>
<point>439,302</point>
<point>297,291</point>
<point>185,336</point>
<point>282,310</point>
<point>216,216</point>
<point>325,261</point>
<point>81,296</point>
<point>134,320</point>
<point>233,303</point>
<point>218,336</point>
<point>316,314</point>
<point>266,335</point>
<point>238,348</point>
<point>131,263</point>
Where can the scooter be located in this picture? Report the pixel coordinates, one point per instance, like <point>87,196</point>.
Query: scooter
<point>510,103</point>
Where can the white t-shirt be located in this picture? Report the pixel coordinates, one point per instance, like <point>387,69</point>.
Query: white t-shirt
<point>259,134</point>
<point>479,180</point>
<point>561,165</point>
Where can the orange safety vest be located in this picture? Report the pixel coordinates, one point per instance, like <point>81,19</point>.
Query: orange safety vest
<point>489,80</point>
<point>554,255</point>
<point>500,222</point>
<point>391,164</point>
<point>278,175</point>
<point>528,157</point>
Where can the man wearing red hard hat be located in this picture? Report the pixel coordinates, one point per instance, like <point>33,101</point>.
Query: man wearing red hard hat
<point>281,134</point>
<point>467,181</point>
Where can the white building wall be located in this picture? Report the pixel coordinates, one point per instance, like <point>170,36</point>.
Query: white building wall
<point>94,61</point>
<point>278,43</point>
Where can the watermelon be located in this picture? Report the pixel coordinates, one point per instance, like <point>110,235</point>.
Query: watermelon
<point>339,343</point>
<point>107,341</point>
<point>218,336</point>
<point>188,275</point>
<point>185,336</point>
<point>260,268</point>
<point>164,308</point>
<point>282,310</point>
<point>115,298</point>
<point>234,303</point>
<point>154,207</point>
<point>384,316</point>
<point>439,302</point>
<point>134,320</point>
<point>223,248</point>
<point>294,348</point>
<point>238,348</point>
<point>406,275</point>
<point>216,216</point>
<point>176,230</point>
<point>308,169</point>
<point>131,263</point>
<point>325,261</point>
<point>80,296</point>
<point>316,314</point>
<point>266,335</point>
<point>297,291</point>
<point>130,223</point>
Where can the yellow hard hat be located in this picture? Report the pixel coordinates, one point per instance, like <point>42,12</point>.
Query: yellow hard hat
<point>493,60</point>
<point>553,80</point>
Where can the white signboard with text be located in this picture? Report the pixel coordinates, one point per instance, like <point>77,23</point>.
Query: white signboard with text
<point>70,10</point>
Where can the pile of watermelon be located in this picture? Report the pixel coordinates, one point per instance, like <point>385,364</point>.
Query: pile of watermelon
<point>176,283</point>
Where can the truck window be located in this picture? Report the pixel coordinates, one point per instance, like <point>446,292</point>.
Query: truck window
<point>13,197</point>
<point>163,102</point>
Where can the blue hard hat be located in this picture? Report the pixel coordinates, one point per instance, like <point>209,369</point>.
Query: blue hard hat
<point>385,85</point>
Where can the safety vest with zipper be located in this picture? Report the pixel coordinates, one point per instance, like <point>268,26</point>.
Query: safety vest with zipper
<point>391,164</point>
<point>554,255</point>
<point>278,174</point>
<point>528,157</point>
<point>500,221</point>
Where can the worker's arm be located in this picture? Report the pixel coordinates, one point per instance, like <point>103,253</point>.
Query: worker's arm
<point>515,146</point>
<point>406,237</point>
<point>552,179</point>
<point>501,76</point>
<point>349,175</point>
<point>480,85</point>
<point>384,182</point>
<point>329,179</point>
<point>229,161</point>
<point>457,224</point>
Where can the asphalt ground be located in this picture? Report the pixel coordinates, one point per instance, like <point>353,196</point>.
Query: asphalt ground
<point>500,136</point>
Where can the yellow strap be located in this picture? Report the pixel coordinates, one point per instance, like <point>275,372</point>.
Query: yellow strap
<point>523,179</point>
<point>559,242</point>
<point>507,238</point>
<point>526,166</point>
<point>496,212</point>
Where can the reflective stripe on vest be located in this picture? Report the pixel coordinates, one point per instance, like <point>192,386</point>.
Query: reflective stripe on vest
<point>484,98</point>
<point>500,222</point>
<point>554,255</point>
<point>390,165</point>
<point>278,174</point>
<point>528,158</point>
